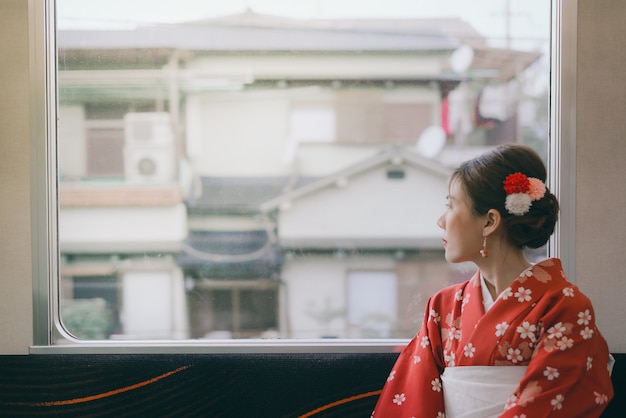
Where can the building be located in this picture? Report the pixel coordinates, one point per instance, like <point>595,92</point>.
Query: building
<point>193,159</point>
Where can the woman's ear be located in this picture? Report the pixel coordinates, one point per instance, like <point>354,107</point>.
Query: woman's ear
<point>493,220</point>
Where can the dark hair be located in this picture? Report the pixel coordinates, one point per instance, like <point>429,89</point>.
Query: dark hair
<point>482,179</point>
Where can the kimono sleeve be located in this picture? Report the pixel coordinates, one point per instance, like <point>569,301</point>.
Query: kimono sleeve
<point>413,388</point>
<point>568,374</point>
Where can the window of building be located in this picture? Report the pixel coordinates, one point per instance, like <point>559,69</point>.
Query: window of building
<point>372,303</point>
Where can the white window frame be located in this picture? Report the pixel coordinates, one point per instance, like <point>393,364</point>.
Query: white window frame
<point>562,165</point>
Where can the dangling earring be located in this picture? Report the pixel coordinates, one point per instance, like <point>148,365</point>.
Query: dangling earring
<point>484,252</point>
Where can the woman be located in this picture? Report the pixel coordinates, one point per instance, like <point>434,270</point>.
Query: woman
<point>516,340</point>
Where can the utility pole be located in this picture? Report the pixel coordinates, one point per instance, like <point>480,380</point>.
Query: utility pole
<point>507,23</point>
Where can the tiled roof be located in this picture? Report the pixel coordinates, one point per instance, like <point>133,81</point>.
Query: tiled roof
<point>253,31</point>
<point>239,195</point>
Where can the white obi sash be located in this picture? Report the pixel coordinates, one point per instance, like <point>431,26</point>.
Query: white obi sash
<point>479,391</point>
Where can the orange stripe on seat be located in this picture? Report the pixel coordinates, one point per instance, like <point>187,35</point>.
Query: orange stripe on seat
<point>102,395</point>
<point>340,402</point>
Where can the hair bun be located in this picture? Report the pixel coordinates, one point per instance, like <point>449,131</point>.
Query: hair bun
<point>533,230</point>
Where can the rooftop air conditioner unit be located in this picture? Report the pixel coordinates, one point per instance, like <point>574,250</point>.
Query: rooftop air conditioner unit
<point>150,148</point>
<point>151,164</point>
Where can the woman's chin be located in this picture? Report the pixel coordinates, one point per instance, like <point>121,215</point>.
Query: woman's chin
<point>454,258</point>
<point>450,258</point>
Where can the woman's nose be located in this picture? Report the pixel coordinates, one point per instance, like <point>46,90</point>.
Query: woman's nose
<point>440,222</point>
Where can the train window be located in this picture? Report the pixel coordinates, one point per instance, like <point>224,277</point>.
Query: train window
<point>230,173</point>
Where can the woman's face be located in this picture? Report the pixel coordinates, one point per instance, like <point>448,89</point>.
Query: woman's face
<point>462,229</point>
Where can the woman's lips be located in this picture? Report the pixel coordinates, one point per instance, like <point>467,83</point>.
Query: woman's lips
<point>444,242</point>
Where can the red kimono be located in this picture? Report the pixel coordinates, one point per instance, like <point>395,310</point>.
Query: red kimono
<point>541,321</point>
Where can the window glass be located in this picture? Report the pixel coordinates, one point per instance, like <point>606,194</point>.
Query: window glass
<point>273,169</point>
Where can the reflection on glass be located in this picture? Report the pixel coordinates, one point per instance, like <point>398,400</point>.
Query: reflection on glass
<point>235,173</point>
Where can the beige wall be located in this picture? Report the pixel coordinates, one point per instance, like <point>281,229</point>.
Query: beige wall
<point>601,151</point>
<point>601,163</point>
<point>15,233</point>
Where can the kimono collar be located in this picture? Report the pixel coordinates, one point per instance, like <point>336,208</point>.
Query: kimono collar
<point>488,300</point>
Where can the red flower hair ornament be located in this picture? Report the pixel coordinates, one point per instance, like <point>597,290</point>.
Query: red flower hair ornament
<point>521,192</point>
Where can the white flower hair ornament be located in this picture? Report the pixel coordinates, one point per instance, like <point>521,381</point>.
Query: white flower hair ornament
<point>521,192</point>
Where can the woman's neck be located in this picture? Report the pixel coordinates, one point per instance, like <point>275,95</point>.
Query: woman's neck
<point>500,272</point>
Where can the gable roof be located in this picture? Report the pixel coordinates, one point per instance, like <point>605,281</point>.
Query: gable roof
<point>394,156</point>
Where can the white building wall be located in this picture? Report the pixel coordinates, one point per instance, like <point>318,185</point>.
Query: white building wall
<point>237,134</point>
<point>315,67</point>
<point>369,210</point>
<point>120,229</point>
<point>249,133</point>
